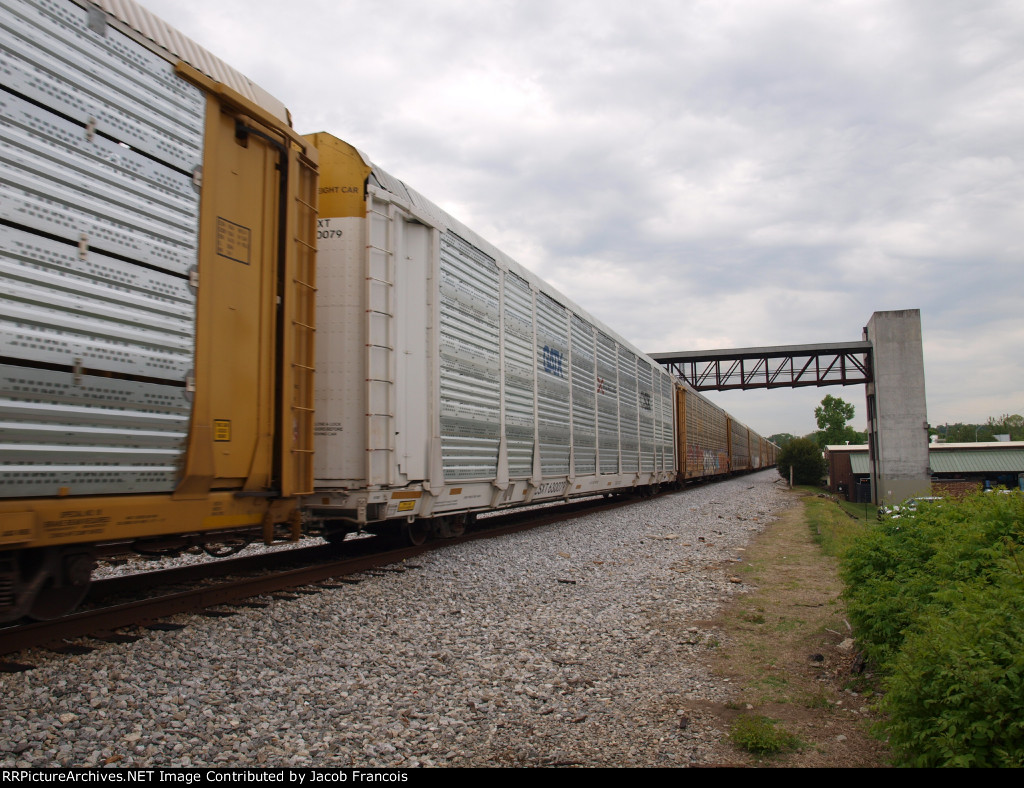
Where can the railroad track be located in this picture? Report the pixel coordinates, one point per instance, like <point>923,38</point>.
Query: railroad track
<point>231,582</point>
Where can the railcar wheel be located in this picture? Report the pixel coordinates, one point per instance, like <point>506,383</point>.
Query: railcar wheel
<point>417,532</point>
<point>335,532</point>
<point>450,527</point>
<point>457,526</point>
<point>69,575</point>
<point>226,547</point>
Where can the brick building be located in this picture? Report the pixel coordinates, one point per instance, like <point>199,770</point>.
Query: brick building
<point>956,468</point>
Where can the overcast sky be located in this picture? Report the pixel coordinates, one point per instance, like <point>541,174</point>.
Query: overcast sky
<point>702,174</point>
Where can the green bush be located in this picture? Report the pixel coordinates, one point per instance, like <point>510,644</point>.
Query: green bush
<point>759,735</point>
<point>804,457</point>
<point>935,597</point>
<point>956,691</point>
<point>896,572</point>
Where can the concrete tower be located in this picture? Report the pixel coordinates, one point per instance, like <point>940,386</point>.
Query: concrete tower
<point>897,414</point>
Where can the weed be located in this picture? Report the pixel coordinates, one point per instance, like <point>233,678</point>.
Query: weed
<point>774,681</point>
<point>831,527</point>
<point>817,700</point>
<point>759,735</point>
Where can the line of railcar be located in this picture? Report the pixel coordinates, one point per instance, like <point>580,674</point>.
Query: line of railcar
<point>170,291</point>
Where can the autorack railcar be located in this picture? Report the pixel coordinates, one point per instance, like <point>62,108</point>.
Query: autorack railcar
<point>162,292</point>
<point>157,240</point>
<point>451,380</point>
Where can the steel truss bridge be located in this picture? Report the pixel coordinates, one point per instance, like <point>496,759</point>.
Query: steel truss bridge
<point>782,366</point>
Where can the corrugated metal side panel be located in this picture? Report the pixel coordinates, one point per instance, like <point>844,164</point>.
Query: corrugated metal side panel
<point>553,418</point>
<point>102,224</point>
<point>861,463</point>
<point>470,429</point>
<point>718,436</point>
<point>740,447</point>
<point>628,418</point>
<point>961,461</point>
<point>659,421</point>
<point>584,402</point>
<point>645,403</point>
<point>51,55</point>
<point>672,462</point>
<point>607,404</point>
<point>58,181</point>
<point>99,313</point>
<point>707,448</point>
<point>184,48</point>
<point>89,435</point>
<point>519,376</point>
<point>694,460</point>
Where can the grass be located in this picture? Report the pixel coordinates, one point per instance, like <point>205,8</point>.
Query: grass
<point>817,700</point>
<point>834,526</point>
<point>759,735</point>
<point>793,613</point>
<point>865,513</point>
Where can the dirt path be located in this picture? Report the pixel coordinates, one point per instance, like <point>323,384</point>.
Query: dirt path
<point>785,655</point>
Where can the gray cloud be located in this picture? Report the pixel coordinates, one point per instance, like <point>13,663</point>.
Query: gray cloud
<point>698,174</point>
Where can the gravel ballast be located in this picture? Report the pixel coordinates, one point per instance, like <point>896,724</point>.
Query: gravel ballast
<point>583,643</point>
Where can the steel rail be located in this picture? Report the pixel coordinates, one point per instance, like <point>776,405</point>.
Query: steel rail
<point>102,622</point>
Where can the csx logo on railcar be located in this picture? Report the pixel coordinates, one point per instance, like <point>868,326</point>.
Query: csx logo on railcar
<point>552,360</point>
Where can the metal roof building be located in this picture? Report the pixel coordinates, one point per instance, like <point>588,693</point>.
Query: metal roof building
<point>956,468</point>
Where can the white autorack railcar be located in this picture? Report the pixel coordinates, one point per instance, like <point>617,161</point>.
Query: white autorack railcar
<point>451,380</point>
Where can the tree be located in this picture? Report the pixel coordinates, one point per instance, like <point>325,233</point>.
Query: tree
<point>804,457</point>
<point>780,439</point>
<point>832,415</point>
<point>1007,424</point>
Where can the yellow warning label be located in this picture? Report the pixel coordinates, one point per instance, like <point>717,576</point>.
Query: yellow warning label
<point>221,429</point>
<point>406,506</point>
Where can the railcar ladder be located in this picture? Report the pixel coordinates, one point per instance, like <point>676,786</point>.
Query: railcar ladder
<point>303,333</point>
<point>379,295</point>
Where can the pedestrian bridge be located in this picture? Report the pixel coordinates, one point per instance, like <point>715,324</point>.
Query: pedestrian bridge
<point>888,360</point>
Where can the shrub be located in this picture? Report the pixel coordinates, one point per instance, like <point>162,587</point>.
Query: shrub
<point>955,694</point>
<point>759,735</point>
<point>934,597</point>
<point>804,457</point>
<point>897,571</point>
